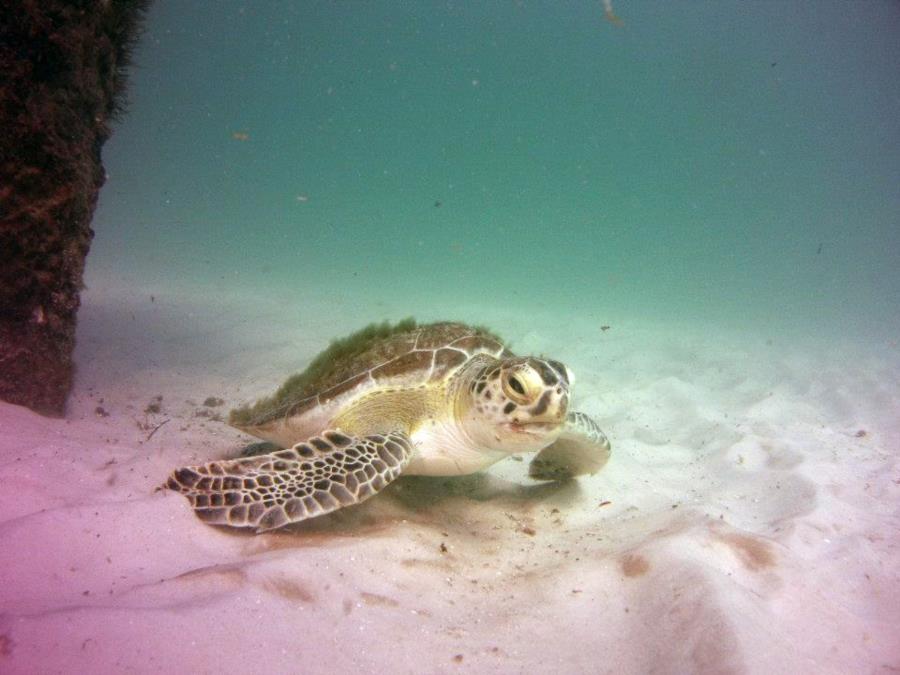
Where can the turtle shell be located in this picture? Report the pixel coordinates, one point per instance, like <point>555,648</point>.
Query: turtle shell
<point>404,354</point>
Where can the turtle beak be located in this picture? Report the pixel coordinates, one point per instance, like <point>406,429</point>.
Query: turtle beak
<point>550,408</point>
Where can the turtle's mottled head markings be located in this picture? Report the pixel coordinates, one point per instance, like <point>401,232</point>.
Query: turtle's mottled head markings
<point>517,404</point>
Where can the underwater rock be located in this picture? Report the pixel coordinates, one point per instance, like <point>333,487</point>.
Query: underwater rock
<point>63,66</point>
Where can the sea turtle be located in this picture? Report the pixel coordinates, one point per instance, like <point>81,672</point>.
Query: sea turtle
<point>440,399</point>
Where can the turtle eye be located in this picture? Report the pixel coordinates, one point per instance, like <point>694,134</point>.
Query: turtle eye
<point>514,388</point>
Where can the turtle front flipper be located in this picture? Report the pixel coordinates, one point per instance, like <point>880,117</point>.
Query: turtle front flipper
<point>320,475</point>
<point>259,448</point>
<point>582,448</point>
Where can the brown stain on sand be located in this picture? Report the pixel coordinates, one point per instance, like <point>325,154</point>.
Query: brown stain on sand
<point>376,599</point>
<point>217,574</point>
<point>289,589</point>
<point>635,565</point>
<point>755,554</point>
<point>441,564</point>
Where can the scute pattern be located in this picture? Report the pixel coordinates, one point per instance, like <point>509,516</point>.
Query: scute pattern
<point>318,476</point>
<point>427,353</point>
<point>580,422</point>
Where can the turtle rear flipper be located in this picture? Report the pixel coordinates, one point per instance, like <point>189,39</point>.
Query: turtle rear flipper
<point>320,475</point>
<point>582,448</point>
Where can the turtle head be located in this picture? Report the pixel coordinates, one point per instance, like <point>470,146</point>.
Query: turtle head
<point>517,404</point>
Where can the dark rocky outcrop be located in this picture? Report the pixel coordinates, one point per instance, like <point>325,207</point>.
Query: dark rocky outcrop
<point>62,78</point>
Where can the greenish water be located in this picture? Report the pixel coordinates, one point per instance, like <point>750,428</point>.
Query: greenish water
<point>715,161</point>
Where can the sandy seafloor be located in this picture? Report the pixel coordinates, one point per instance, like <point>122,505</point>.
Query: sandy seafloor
<point>747,522</point>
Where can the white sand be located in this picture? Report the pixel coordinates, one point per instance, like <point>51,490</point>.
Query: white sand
<point>748,525</point>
